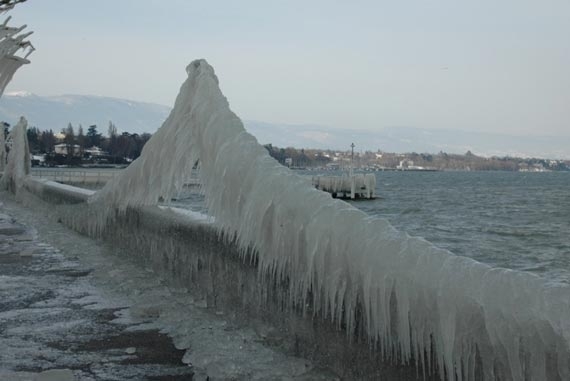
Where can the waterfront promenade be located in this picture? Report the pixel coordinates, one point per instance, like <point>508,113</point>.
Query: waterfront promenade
<point>72,308</point>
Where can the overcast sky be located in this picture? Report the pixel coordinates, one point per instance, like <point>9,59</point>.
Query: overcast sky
<point>495,66</point>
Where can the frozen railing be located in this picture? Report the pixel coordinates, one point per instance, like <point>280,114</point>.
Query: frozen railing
<point>76,176</point>
<point>410,300</point>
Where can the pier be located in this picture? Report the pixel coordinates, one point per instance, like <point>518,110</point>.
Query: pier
<point>348,187</point>
<point>360,186</point>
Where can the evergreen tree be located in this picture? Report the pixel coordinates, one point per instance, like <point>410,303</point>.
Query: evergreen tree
<point>47,141</point>
<point>34,139</point>
<point>93,137</point>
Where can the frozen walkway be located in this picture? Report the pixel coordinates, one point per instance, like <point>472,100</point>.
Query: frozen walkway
<point>71,305</point>
<point>56,325</point>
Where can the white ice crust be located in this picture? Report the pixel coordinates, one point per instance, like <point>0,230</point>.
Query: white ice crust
<point>411,299</point>
<point>18,166</point>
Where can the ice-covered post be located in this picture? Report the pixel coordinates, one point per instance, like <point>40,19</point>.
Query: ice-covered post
<point>18,166</point>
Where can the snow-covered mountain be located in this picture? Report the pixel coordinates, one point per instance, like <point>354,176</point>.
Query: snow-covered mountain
<point>56,112</point>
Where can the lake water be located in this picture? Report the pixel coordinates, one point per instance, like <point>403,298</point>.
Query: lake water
<point>507,219</point>
<point>514,220</point>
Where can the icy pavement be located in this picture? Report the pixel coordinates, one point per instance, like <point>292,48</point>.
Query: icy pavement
<point>55,325</point>
<point>72,309</point>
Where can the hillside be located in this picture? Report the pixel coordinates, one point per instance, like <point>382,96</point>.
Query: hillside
<point>55,112</point>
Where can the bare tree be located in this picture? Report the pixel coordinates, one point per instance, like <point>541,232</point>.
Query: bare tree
<point>81,139</point>
<point>69,141</point>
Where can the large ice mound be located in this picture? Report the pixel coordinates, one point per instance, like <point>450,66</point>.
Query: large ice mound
<point>411,300</point>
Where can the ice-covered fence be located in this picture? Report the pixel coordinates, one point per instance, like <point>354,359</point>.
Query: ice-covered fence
<point>412,301</point>
<point>185,247</point>
<point>347,186</point>
<point>89,177</point>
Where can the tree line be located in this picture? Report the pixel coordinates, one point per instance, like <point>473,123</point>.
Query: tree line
<point>299,157</point>
<point>116,148</point>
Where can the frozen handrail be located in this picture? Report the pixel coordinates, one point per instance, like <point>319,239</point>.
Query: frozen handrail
<point>410,299</point>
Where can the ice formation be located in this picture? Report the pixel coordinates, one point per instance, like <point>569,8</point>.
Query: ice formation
<point>414,302</point>
<point>18,166</point>
<point>363,185</point>
<point>10,43</point>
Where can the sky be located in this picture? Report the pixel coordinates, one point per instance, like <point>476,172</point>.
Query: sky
<point>488,66</point>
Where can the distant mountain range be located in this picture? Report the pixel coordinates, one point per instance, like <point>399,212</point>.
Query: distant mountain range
<point>55,112</point>
<point>410,139</point>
